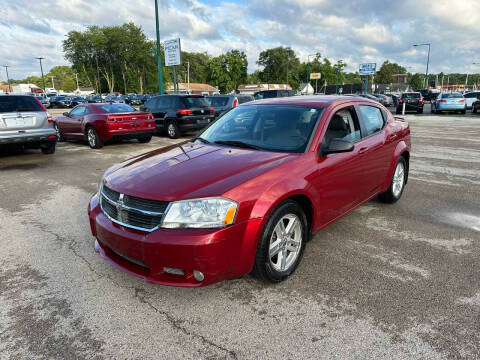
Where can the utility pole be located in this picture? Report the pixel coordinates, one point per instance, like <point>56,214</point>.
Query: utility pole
<point>53,84</point>
<point>287,72</point>
<point>159,53</point>
<point>425,82</point>
<point>76,77</point>
<point>8,79</point>
<point>98,74</point>
<point>41,69</point>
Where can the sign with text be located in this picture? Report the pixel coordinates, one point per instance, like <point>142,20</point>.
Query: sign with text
<point>367,69</point>
<point>315,76</point>
<point>172,52</point>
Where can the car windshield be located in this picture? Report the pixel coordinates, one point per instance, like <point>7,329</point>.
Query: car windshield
<point>411,95</point>
<point>194,102</point>
<point>452,96</point>
<point>218,101</point>
<point>116,108</point>
<point>11,103</point>
<point>266,127</point>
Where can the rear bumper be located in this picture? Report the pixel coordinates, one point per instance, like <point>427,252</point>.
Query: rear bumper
<point>133,135</point>
<point>410,107</point>
<point>451,107</point>
<point>29,136</point>
<point>218,253</point>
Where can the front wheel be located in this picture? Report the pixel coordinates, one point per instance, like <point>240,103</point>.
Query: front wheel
<point>93,140</point>
<point>397,184</point>
<point>282,243</point>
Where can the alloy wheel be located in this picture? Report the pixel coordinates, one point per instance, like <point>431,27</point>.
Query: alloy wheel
<point>285,242</point>
<point>171,130</point>
<point>398,179</point>
<point>91,137</point>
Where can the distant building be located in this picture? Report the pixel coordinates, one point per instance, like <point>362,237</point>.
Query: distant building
<point>193,88</point>
<point>400,78</point>
<point>26,88</point>
<point>85,91</point>
<point>251,89</point>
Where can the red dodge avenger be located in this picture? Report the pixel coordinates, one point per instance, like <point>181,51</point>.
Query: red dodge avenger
<point>247,194</point>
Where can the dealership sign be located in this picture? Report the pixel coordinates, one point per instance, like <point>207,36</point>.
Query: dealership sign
<point>315,76</point>
<point>172,52</point>
<point>367,69</point>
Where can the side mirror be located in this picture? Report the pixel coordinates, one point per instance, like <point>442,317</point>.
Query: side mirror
<point>66,114</point>
<point>337,146</point>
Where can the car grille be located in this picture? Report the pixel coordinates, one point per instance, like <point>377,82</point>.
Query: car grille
<point>131,211</point>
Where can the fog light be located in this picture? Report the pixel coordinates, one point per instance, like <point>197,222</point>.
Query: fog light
<point>173,271</point>
<point>198,275</point>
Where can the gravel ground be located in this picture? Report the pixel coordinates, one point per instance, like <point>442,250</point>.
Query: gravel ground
<point>386,281</point>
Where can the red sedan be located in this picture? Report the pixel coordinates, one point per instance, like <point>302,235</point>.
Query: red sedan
<point>246,195</point>
<point>99,123</point>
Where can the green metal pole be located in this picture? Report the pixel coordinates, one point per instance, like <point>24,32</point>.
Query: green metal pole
<point>159,53</point>
<point>336,84</point>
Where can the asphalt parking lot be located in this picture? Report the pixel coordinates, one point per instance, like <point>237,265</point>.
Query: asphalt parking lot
<point>387,281</point>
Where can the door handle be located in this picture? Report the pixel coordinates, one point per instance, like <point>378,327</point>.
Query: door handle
<point>363,150</point>
<point>392,137</point>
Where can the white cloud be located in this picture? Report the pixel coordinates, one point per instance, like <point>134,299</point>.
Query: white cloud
<point>354,31</point>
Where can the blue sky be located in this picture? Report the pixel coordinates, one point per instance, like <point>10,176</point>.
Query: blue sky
<point>356,31</point>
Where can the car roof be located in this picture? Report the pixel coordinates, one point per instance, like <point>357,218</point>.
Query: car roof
<point>313,101</point>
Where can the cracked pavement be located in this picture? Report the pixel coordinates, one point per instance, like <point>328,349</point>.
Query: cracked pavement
<point>384,282</point>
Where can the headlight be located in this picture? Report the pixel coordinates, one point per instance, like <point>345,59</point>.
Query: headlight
<point>200,213</point>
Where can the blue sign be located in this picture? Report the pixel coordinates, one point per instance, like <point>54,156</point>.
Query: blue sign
<point>367,69</point>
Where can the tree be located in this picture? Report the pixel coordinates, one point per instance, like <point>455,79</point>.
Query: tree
<point>416,81</point>
<point>237,65</point>
<point>386,72</point>
<point>279,64</point>
<point>63,77</point>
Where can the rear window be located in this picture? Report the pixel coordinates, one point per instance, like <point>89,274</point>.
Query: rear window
<point>411,96</point>
<point>11,103</point>
<point>218,101</point>
<point>194,102</point>
<point>116,108</point>
<point>452,96</point>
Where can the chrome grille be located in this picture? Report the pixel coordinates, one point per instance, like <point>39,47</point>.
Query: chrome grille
<point>131,211</point>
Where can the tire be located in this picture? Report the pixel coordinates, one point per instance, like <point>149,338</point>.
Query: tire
<point>432,109</point>
<point>399,177</point>
<point>172,130</point>
<point>92,138</point>
<point>463,112</point>
<point>398,112</point>
<point>420,111</point>
<point>474,109</point>
<point>145,139</point>
<point>48,149</point>
<point>270,266</point>
<point>60,137</point>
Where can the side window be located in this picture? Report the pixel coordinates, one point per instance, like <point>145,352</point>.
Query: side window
<point>343,125</point>
<point>78,111</point>
<point>371,118</point>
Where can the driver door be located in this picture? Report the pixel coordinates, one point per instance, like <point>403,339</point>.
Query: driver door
<point>76,117</point>
<point>66,125</point>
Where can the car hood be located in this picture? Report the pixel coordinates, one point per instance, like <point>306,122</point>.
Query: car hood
<point>190,170</point>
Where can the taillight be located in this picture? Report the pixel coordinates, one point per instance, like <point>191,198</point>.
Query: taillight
<point>235,102</point>
<point>212,110</point>
<point>385,98</point>
<point>150,117</point>
<point>400,100</point>
<point>420,100</point>
<point>110,118</point>
<point>462,100</point>
<point>49,118</point>
<point>182,112</point>
<point>443,101</point>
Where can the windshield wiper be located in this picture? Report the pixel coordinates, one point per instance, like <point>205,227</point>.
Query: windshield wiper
<point>205,141</point>
<point>240,144</point>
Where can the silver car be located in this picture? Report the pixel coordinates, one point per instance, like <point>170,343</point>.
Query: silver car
<point>453,101</point>
<point>25,121</point>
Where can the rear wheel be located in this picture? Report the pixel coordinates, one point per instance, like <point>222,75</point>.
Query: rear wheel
<point>474,109</point>
<point>145,139</point>
<point>48,149</point>
<point>282,243</point>
<point>397,184</point>
<point>93,140</point>
<point>172,130</point>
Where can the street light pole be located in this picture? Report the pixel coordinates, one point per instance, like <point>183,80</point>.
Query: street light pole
<point>8,79</point>
<point>159,54</point>
<point>308,71</point>
<point>475,63</point>
<point>425,82</point>
<point>53,83</point>
<point>41,69</point>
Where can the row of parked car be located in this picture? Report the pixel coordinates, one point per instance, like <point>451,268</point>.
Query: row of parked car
<point>70,101</point>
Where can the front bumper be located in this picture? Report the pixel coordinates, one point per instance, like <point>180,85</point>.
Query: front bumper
<point>218,253</point>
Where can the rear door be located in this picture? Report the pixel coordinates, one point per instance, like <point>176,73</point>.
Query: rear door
<point>21,113</point>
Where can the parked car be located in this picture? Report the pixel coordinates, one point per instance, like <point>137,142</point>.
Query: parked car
<point>428,95</point>
<point>25,121</point>
<point>222,103</point>
<point>60,102</point>
<point>44,100</point>
<point>267,94</point>
<point>368,96</point>
<point>413,102</point>
<point>99,123</point>
<point>383,99</point>
<point>94,99</point>
<point>245,195</point>
<point>449,102</point>
<point>470,98</point>
<point>77,100</point>
<point>177,114</point>
<point>476,106</point>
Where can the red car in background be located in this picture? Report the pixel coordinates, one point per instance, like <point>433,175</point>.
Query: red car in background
<point>99,123</point>
<point>246,195</point>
